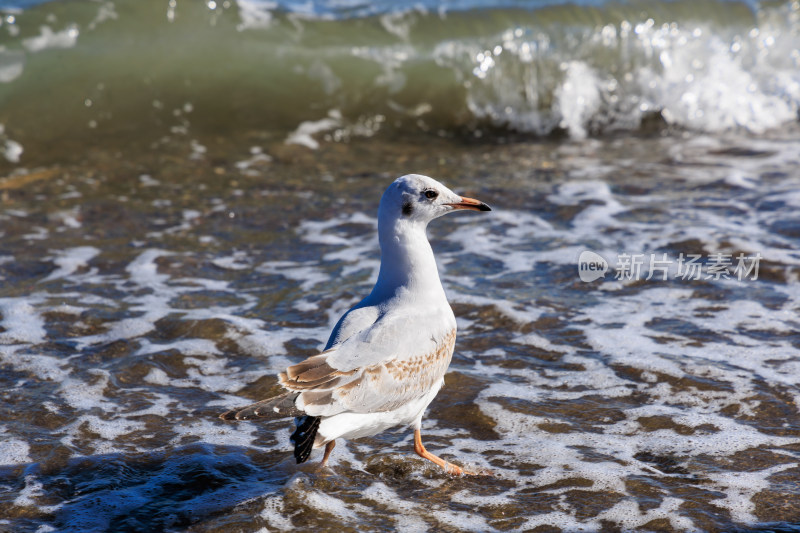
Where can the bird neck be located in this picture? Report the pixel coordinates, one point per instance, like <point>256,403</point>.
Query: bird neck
<point>407,262</point>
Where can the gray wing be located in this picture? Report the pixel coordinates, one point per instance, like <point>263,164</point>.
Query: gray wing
<point>398,359</point>
<point>376,363</point>
<point>352,322</point>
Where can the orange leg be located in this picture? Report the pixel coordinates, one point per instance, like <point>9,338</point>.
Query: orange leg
<point>328,450</point>
<point>422,452</point>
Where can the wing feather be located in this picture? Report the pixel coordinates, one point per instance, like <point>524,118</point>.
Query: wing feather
<point>383,386</point>
<point>306,365</point>
<point>374,362</point>
<point>280,406</point>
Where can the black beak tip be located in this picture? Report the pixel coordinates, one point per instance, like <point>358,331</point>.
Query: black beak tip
<point>484,207</point>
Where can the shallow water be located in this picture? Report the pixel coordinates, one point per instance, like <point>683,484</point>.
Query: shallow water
<point>161,265</point>
<point>140,299</point>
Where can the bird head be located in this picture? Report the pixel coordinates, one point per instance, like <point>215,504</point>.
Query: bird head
<point>418,198</point>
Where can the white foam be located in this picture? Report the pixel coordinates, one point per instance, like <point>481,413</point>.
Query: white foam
<point>305,306</point>
<point>146,180</point>
<point>405,514</point>
<point>565,520</point>
<point>629,514</point>
<point>161,405</point>
<point>209,375</point>
<point>12,63</point>
<point>308,275</point>
<point>740,487</point>
<point>105,11</point>
<point>303,134</point>
<point>13,451</point>
<point>237,261</point>
<point>255,13</point>
<point>38,234</point>
<point>153,305</point>
<point>12,150</point>
<point>41,366</point>
<point>20,213</point>
<point>32,490</point>
<point>464,520</point>
<point>243,434</point>
<point>257,159</point>
<point>47,38</point>
<point>330,505</point>
<point>578,98</point>
<point>517,312</point>
<point>84,395</point>
<point>593,216</point>
<point>187,346</point>
<point>107,431</point>
<point>70,260</point>
<point>21,321</point>
<point>156,376</point>
<point>274,514</point>
<point>144,271</point>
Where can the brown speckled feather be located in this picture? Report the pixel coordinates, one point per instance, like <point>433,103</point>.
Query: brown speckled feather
<point>380,387</point>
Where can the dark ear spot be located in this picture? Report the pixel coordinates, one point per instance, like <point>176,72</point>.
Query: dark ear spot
<point>407,208</point>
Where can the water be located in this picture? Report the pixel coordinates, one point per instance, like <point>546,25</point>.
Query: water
<point>135,74</point>
<point>188,205</point>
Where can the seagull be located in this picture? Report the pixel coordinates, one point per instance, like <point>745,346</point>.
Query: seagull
<point>387,356</point>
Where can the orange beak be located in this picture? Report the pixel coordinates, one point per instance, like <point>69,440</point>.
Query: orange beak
<point>470,204</point>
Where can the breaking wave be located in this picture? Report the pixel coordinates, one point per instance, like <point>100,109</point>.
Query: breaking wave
<point>329,71</point>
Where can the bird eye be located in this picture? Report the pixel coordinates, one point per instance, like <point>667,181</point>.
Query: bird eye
<point>430,194</point>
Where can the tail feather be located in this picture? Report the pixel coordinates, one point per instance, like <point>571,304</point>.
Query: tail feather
<point>304,436</point>
<point>281,406</point>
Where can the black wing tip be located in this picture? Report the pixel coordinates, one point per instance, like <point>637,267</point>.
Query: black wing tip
<point>304,436</point>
